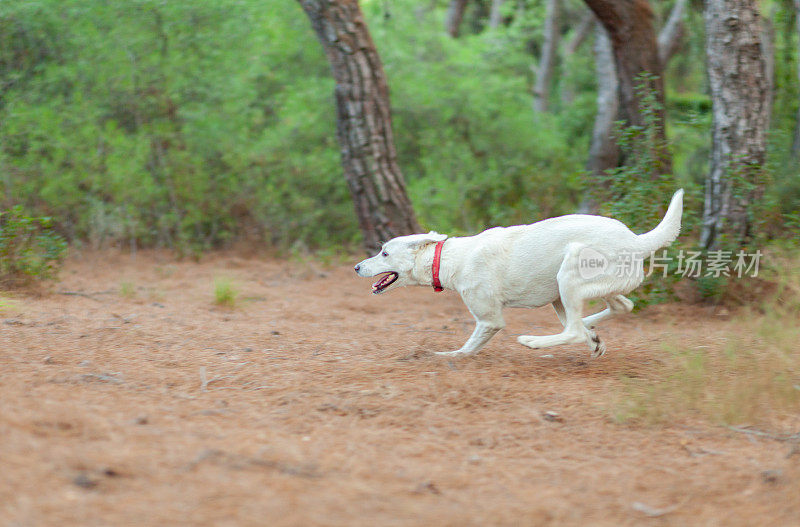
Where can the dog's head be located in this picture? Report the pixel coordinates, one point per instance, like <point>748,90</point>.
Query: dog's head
<point>395,261</point>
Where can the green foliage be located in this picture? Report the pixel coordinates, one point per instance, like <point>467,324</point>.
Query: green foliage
<point>171,124</point>
<point>225,293</point>
<point>29,248</point>
<point>626,193</point>
<point>473,151</point>
<point>140,123</point>
<point>192,124</point>
<point>712,288</point>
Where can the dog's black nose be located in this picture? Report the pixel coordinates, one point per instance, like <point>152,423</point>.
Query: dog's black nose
<point>357,268</point>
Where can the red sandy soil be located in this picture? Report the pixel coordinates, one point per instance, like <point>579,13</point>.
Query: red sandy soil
<point>128,398</point>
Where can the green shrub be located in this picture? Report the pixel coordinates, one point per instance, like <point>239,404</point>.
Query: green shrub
<point>225,293</point>
<point>193,124</point>
<point>127,289</point>
<point>29,248</point>
<point>174,136</point>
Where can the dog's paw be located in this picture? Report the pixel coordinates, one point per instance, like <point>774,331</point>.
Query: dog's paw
<point>527,340</point>
<point>598,345</point>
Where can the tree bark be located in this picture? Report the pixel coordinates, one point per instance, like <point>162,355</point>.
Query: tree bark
<point>604,152</point>
<point>629,24</point>
<point>736,73</point>
<point>454,16</point>
<point>363,121</point>
<point>541,90</point>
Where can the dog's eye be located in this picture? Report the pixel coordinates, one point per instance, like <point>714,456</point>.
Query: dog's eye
<point>384,254</point>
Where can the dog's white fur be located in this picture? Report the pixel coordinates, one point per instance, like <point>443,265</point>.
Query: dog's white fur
<point>530,266</point>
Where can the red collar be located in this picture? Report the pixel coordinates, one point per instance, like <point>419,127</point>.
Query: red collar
<point>437,260</point>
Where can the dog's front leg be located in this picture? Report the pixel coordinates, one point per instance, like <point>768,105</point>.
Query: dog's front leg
<point>484,330</point>
<point>488,313</point>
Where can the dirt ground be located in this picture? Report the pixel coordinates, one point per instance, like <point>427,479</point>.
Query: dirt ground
<point>128,398</point>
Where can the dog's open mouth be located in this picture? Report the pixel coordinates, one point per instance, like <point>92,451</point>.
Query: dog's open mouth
<point>386,280</point>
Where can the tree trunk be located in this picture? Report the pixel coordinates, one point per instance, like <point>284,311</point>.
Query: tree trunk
<point>455,14</point>
<point>736,73</point>
<point>541,91</point>
<point>670,35</point>
<point>495,15</point>
<point>629,24</point>
<point>796,142</point>
<point>604,152</point>
<point>363,121</point>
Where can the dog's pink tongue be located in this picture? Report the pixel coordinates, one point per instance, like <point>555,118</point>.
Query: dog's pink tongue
<point>380,283</point>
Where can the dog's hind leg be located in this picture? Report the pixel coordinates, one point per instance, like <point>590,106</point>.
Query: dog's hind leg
<point>573,290</point>
<point>616,305</point>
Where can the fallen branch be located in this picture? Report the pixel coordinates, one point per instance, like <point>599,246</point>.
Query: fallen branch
<point>755,432</point>
<point>90,296</point>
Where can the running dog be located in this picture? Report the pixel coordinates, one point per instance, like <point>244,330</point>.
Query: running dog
<point>560,261</point>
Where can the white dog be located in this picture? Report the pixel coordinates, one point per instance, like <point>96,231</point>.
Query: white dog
<point>561,261</point>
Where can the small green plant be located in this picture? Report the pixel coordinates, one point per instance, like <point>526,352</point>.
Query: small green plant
<point>7,305</point>
<point>225,293</point>
<point>127,289</point>
<point>30,249</point>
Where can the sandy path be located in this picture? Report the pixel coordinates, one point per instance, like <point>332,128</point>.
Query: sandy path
<point>316,403</point>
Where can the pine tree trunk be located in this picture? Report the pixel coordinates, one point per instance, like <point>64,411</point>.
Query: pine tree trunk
<point>363,121</point>
<point>739,94</point>
<point>454,16</point>
<point>541,90</point>
<point>629,24</point>
<point>604,153</point>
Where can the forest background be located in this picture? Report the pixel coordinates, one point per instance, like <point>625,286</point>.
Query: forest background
<point>195,125</point>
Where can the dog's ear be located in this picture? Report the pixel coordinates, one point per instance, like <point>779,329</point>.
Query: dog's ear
<point>420,240</point>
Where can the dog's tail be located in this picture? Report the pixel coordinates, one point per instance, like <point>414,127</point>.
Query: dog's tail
<point>666,231</point>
